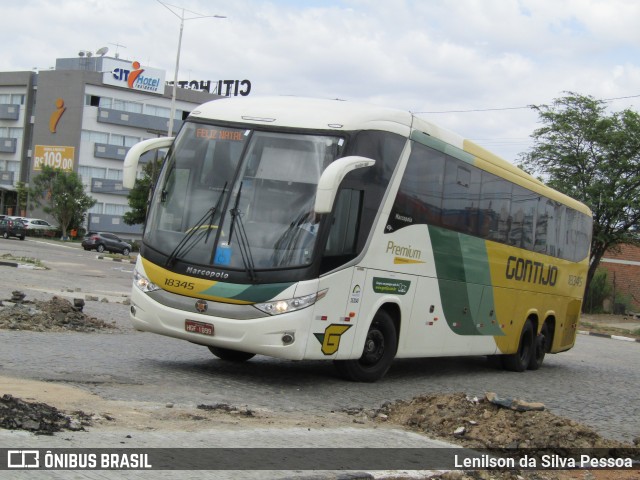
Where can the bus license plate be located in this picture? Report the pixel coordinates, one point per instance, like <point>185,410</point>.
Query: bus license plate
<point>202,328</point>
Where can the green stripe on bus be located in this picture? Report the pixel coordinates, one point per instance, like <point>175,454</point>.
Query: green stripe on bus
<point>464,279</point>
<point>441,146</point>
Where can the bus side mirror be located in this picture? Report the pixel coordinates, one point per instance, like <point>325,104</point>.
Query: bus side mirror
<point>134,154</point>
<point>331,178</point>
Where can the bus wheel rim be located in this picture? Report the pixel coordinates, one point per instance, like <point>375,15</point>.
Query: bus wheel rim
<point>373,348</point>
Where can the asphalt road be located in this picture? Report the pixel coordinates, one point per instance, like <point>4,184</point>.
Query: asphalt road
<point>596,383</point>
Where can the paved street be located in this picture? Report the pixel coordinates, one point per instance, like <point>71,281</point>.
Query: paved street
<point>596,383</point>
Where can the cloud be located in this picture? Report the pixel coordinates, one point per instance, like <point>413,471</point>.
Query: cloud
<point>418,55</point>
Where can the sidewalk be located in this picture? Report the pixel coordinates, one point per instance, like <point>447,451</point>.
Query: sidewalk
<point>619,327</point>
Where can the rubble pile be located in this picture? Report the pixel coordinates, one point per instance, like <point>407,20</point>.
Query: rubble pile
<point>498,424</point>
<point>57,314</point>
<point>225,407</point>
<point>489,422</point>
<point>39,418</point>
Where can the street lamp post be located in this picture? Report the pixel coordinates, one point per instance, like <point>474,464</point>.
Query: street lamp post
<point>175,73</point>
<point>175,78</point>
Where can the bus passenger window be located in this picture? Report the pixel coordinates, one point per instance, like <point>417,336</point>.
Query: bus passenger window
<point>420,194</point>
<point>495,207</point>
<point>460,199</point>
<point>524,207</point>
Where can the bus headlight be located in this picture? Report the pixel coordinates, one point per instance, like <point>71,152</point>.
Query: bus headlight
<point>290,305</point>
<point>143,283</point>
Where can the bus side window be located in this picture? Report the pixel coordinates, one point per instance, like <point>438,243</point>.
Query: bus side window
<point>545,228</point>
<point>583,226</point>
<point>495,207</point>
<point>461,196</point>
<point>419,197</point>
<point>561,226</point>
<point>524,207</point>
<point>342,242</point>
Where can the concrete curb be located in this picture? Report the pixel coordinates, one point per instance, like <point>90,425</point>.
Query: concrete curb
<point>121,260</point>
<point>21,265</point>
<point>606,335</point>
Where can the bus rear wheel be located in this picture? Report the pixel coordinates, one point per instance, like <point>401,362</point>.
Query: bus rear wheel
<point>379,351</point>
<point>541,346</point>
<point>519,361</point>
<point>231,355</point>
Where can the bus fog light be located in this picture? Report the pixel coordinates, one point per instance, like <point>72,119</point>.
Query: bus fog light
<point>288,338</point>
<point>133,310</point>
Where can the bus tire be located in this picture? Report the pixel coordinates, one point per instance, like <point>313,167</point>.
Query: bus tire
<point>519,361</point>
<point>231,355</point>
<point>379,351</point>
<point>541,346</point>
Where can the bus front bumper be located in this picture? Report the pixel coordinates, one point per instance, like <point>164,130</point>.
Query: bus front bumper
<point>282,336</point>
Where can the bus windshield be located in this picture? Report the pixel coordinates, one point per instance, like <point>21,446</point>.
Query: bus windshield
<point>239,199</point>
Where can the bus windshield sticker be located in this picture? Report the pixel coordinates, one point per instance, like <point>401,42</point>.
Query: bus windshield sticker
<point>355,294</point>
<point>390,285</point>
<point>223,255</point>
<point>330,339</point>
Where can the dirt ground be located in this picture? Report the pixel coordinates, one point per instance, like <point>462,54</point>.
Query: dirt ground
<point>490,422</point>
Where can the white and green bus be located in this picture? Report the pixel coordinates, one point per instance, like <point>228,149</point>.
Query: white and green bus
<point>323,229</point>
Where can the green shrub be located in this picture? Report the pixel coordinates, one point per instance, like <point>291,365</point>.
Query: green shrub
<point>599,290</point>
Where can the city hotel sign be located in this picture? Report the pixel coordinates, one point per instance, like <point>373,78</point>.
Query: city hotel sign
<point>133,76</point>
<point>227,88</point>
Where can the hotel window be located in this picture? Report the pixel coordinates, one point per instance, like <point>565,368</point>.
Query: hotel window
<point>94,137</point>
<point>126,106</point>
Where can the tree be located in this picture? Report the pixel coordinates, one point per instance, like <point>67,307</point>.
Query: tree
<point>594,157</point>
<point>61,195</point>
<point>22,195</point>
<point>139,195</point>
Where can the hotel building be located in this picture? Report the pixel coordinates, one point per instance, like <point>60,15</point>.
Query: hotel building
<point>83,116</point>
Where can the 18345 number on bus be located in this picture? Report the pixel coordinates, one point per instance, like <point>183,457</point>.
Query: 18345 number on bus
<point>172,282</point>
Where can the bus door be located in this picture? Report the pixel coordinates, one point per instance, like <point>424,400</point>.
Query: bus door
<point>379,288</point>
<point>428,331</point>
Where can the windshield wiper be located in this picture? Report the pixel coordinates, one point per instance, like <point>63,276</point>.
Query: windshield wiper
<point>190,240</point>
<point>243,241</point>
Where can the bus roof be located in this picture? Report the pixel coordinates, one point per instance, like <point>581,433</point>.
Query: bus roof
<point>308,113</point>
<point>339,115</point>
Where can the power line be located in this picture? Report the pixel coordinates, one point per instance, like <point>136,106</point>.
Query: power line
<point>478,110</point>
<point>620,98</point>
<point>498,109</point>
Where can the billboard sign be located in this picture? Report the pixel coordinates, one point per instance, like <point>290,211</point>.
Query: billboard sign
<point>133,76</point>
<point>54,156</point>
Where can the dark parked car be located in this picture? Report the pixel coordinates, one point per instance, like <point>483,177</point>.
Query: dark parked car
<point>10,227</point>
<point>102,241</point>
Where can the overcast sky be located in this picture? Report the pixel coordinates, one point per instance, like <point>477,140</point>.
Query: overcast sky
<point>444,57</point>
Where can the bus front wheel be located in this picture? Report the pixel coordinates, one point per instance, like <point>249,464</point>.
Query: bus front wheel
<point>519,361</point>
<point>379,351</point>
<point>231,355</point>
